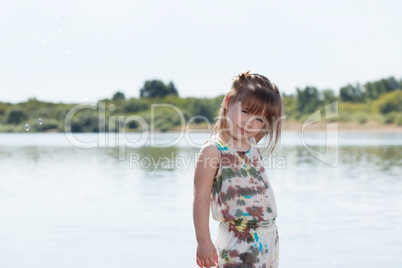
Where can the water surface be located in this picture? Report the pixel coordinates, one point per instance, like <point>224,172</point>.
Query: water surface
<point>65,206</point>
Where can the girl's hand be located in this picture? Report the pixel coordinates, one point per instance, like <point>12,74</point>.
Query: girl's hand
<point>206,254</point>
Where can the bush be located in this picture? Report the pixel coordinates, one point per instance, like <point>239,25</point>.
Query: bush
<point>377,117</point>
<point>166,118</point>
<point>3,109</point>
<point>50,124</point>
<point>390,102</point>
<point>164,125</point>
<point>345,117</point>
<point>393,117</point>
<point>15,116</point>
<point>134,106</point>
<point>86,121</point>
<point>398,119</point>
<point>349,107</point>
<point>390,118</point>
<point>10,128</point>
<point>361,118</point>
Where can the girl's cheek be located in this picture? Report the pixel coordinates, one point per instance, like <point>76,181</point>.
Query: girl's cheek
<point>258,125</point>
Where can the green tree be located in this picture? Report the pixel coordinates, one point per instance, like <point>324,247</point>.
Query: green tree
<point>156,88</point>
<point>202,107</point>
<point>15,116</point>
<point>328,96</point>
<point>3,109</point>
<point>118,96</point>
<point>290,104</point>
<point>375,89</point>
<point>371,91</point>
<point>391,84</point>
<point>308,100</point>
<point>351,93</point>
<point>171,89</point>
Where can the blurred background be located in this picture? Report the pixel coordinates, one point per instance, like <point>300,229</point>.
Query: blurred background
<point>118,192</point>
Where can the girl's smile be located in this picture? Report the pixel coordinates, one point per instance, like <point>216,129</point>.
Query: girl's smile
<point>243,131</point>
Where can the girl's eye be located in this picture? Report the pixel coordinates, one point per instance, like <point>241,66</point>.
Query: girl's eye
<point>244,111</point>
<point>259,120</point>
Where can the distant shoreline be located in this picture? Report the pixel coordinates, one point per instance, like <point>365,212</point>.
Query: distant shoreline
<point>289,126</point>
<point>294,126</point>
<point>369,126</point>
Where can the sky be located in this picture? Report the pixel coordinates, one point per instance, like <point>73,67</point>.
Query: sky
<point>83,51</point>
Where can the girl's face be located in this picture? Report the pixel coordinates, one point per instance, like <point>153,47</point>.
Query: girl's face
<point>243,124</point>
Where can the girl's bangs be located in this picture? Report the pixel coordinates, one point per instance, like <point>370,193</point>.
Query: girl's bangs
<point>259,102</point>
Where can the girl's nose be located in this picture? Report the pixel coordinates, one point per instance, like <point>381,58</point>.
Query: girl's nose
<point>247,121</point>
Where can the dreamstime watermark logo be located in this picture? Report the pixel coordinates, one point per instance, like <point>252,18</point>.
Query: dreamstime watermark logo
<point>331,154</point>
<point>116,136</point>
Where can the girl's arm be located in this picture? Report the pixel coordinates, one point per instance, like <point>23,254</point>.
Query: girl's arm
<point>205,169</point>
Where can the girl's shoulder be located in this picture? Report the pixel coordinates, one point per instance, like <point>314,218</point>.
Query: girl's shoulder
<point>209,148</point>
<point>208,159</point>
<point>218,143</point>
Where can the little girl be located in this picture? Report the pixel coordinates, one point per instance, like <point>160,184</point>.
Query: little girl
<point>230,179</point>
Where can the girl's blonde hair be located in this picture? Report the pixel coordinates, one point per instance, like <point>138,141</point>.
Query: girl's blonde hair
<point>259,96</point>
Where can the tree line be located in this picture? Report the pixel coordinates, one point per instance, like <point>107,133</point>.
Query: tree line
<point>378,100</point>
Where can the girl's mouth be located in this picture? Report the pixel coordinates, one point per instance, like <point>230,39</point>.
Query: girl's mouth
<point>243,131</point>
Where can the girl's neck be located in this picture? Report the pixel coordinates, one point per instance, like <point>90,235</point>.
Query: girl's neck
<point>241,145</point>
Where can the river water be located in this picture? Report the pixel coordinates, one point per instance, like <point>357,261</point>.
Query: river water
<point>66,203</point>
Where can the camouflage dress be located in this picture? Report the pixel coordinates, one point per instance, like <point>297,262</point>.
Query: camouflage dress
<point>243,201</point>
